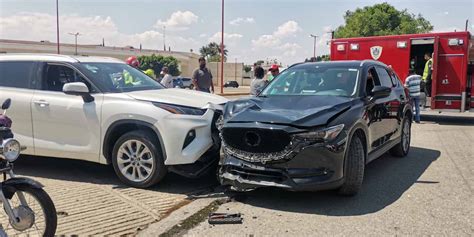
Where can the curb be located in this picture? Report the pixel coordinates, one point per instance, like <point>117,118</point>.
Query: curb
<point>176,217</point>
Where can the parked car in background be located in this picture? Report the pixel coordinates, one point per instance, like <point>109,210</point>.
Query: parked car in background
<point>233,84</point>
<point>177,83</point>
<point>315,127</point>
<point>183,82</point>
<point>102,110</point>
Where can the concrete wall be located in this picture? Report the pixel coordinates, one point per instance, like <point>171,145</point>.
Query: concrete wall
<point>232,72</point>
<point>187,61</point>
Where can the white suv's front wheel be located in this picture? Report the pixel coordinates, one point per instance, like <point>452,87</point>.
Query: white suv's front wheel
<point>137,161</point>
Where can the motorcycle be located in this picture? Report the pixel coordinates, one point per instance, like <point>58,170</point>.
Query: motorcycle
<point>29,209</point>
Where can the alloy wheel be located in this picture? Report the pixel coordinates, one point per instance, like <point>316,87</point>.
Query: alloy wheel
<point>406,136</point>
<point>135,161</point>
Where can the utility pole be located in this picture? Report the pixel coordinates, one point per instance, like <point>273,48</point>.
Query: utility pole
<point>75,35</point>
<point>222,50</point>
<point>235,67</point>
<point>164,38</point>
<point>314,47</point>
<point>57,24</point>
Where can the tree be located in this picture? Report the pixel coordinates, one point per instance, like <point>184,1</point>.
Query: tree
<point>157,62</point>
<point>325,57</point>
<point>259,62</point>
<point>247,68</point>
<point>381,19</point>
<point>212,52</point>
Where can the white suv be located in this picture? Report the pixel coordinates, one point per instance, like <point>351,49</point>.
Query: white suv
<point>102,110</point>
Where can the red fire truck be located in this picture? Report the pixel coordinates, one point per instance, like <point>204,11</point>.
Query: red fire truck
<point>453,62</point>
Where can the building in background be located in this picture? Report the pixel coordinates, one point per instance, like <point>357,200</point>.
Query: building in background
<point>188,61</point>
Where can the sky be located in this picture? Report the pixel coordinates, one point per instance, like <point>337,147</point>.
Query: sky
<point>254,30</point>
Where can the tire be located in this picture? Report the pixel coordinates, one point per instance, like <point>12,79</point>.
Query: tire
<point>354,168</point>
<point>147,160</point>
<point>403,147</point>
<point>46,205</point>
<point>191,87</point>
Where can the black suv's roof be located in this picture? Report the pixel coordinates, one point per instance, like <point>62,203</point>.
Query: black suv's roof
<point>344,63</point>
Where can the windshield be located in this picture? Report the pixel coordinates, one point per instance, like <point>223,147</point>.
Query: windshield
<point>118,77</point>
<point>315,80</point>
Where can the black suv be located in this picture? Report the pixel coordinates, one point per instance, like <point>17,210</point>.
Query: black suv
<point>315,127</point>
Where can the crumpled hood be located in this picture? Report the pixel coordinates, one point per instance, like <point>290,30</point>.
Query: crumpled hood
<point>175,96</point>
<point>303,111</point>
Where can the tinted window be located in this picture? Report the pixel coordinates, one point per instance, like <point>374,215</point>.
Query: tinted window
<point>15,74</point>
<point>384,78</point>
<point>327,80</point>
<point>55,76</point>
<point>395,79</point>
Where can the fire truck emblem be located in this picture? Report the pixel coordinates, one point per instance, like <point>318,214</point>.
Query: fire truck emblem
<point>376,52</point>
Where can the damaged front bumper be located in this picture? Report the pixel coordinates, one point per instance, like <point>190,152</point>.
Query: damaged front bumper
<point>309,168</point>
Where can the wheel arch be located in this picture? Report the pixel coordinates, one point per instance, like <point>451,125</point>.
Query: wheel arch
<point>362,132</point>
<point>120,127</point>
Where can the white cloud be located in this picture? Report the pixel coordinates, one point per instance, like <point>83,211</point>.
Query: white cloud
<point>446,13</point>
<point>287,29</point>
<point>290,49</point>
<point>202,35</point>
<point>228,37</point>
<point>239,20</point>
<point>92,29</point>
<point>268,41</point>
<point>180,20</point>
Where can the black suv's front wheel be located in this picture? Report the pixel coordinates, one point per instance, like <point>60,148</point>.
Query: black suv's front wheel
<point>354,167</point>
<point>137,161</point>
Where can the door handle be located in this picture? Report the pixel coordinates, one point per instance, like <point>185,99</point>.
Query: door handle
<point>41,103</point>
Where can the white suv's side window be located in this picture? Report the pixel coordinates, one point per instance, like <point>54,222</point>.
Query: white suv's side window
<point>16,74</point>
<point>58,75</point>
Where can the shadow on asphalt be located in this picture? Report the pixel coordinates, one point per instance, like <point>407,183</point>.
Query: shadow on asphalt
<point>448,120</point>
<point>93,173</point>
<point>386,179</point>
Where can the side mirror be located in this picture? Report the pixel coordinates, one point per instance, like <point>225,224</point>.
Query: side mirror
<point>79,89</point>
<point>6,104</point>
<point>380,92</point>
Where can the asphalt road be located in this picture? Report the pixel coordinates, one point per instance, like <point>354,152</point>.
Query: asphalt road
<point>429,192</point>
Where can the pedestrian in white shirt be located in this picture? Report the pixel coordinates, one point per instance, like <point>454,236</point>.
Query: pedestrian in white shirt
<point>167,80</point>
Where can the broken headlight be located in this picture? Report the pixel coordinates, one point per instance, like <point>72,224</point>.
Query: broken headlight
<point>322,135</point>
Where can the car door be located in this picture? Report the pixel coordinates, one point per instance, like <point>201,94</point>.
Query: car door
<point>380,124</point>
<point>64,125</point>
<point>16,83</point>
<point>391,104</point>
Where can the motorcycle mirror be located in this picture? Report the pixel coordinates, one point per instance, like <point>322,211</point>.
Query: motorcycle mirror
<point>6,104</point>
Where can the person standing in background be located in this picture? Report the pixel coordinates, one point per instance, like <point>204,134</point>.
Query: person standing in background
<point>412,83</point>
<point>274,70</point>
<point>167,79</point>
<point>258,83</point>
<point>427,73</point>
<point>202,77</point>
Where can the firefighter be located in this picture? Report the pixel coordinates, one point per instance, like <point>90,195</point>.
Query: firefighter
<point>427,74</point>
